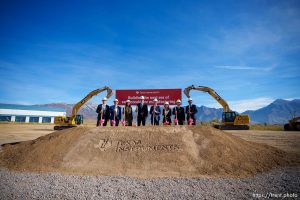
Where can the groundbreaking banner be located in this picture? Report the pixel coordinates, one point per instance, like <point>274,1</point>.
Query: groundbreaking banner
<point>162,95</point>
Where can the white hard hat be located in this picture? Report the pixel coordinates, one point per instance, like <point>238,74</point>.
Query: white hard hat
<point>178,101</point>
<point>116,100</point>
<point>155,99</point>
<point>127,101</point>
<point>190,99</point>
<point>142,97</point>
<point>167,103</point>
<point>104,99</point>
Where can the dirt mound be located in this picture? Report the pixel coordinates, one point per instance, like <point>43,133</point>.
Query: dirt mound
<point>144,152</point>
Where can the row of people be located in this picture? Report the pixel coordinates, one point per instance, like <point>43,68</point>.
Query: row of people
<point>114,113</point>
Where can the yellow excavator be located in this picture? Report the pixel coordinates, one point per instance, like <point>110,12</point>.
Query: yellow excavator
<point>293,125</point>
<point>230,120</point>
<point>63,122</point>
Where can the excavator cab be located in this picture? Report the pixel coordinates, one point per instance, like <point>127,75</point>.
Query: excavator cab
<point>228,116</point>
<point>79,119</point>
<point>234,121</point>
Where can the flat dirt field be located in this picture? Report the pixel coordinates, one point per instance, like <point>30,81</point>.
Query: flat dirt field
<point>285,140</point>
<point>10,133</point>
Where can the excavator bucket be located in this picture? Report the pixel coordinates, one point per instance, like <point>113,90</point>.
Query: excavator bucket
<point>109,93</point>
<point>186,91</point>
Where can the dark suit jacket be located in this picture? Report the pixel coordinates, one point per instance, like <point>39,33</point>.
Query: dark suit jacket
<point>118,114</point>
<point>106,114</point>
<point>127,112</point>
<point>167,115</point>
<point>157,115</point>
<point>142,111</point>
<point>180,113</point>
<point>193,110</point>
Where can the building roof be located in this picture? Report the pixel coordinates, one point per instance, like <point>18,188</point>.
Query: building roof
<point>31,107</point>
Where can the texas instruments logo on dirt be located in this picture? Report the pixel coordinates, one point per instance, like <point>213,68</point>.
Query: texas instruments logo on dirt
<point>103,144</point>
<point>134,146</point>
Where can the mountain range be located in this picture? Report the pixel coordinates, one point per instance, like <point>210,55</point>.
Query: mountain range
<point>278,112</point>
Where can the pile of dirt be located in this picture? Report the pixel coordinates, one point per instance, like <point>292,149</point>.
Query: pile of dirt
<point>144,152</point>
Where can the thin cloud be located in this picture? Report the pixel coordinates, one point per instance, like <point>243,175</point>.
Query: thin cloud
<point>237,67</point>
<point>247,104</point>
<point>250,104</point>
<point>290,99</point>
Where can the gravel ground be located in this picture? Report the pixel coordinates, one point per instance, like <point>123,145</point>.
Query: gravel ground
<point>24,185</point>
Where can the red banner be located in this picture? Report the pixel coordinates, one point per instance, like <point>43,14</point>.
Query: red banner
<point>162,95</point>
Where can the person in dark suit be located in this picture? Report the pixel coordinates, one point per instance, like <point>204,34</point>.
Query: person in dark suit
<point>167,113</point>
<point>115,113</point>
<point>103,113</point>
<point>127,113</point>
<point>178,111</point>
<point>155,113</point>
<point>190,111</point>
<point>142,112</point>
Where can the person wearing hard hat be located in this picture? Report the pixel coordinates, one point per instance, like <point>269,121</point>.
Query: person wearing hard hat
<point>167,113</point>
<point>155,113</point>
<point>103,113</point>
<point>115,113</point>
<point>142,111</point>
<point>190,111</point>
<point>127,113</point>
<point>178,111</point>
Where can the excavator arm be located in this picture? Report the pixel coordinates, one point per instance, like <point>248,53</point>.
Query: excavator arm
<point>212,93</point>
<point>78,105</point>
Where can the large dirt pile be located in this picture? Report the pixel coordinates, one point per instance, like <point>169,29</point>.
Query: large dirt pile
<point>144,152</point>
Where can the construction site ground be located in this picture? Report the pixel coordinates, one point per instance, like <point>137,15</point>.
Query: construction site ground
<point>146,162</point>
<point>287,141</point>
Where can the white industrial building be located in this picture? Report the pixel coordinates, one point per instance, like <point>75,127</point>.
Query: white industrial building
<point>29,114</point>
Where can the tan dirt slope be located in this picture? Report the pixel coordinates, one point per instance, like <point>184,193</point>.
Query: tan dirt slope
<point>144,152</point>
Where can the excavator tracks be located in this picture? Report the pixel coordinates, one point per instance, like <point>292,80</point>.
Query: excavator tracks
<point>232,127</point>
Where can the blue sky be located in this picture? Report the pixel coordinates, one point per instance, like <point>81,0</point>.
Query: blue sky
<point>58,51</point>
